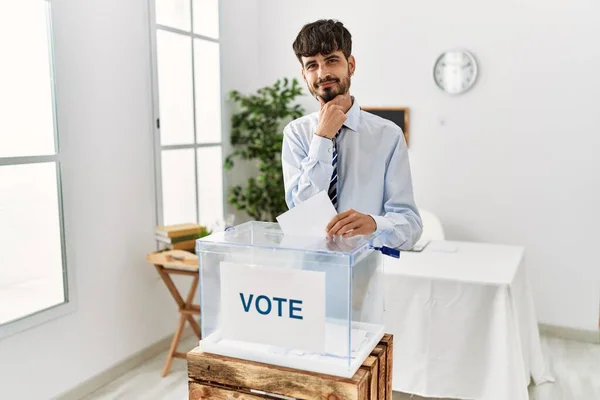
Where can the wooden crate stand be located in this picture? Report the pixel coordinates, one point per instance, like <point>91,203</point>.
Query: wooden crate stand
<point>223,378</point>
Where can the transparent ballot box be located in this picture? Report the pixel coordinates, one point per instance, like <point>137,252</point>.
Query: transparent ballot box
<point>313,304</point>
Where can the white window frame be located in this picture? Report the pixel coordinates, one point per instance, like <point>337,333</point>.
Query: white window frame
<point>158,148</point>
<point>69,304</point>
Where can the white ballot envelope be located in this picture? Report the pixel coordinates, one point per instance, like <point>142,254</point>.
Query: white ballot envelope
<point>309,218</point>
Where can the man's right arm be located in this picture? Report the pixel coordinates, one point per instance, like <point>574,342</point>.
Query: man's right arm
<point>306,171</point>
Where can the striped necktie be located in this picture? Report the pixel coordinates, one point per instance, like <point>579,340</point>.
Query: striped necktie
<point>333,195</point>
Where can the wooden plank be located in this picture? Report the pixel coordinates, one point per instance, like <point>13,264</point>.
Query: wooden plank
<point>363,388</point>
<point>200,391</point>
<point>371,364</point>
<point>180,272</point>
<point>388,340</point>
<point>379,352</point>
<point>232,372</point>
<point>190,311</point>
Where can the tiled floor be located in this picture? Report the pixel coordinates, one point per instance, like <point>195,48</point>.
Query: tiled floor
<point>576,367</point>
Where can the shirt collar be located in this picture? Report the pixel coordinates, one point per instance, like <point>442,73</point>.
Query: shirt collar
<point>353,116</point>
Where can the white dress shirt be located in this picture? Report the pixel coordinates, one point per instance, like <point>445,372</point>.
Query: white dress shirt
<point>373,171</point>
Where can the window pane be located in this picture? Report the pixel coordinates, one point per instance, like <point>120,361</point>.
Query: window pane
<point>26,108</point>
<point>208,91</point>
<point>210,185</point>
<point>206,18</point>
<point>174,54</point>
<point>31,268</point>
<point>178,186</point>
<point>174,14</point>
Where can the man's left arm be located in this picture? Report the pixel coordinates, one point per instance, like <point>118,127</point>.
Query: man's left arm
<point>400,226</point>
<point>401,223</point>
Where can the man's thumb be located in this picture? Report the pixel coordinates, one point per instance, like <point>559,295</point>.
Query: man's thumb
<point>321,101</point>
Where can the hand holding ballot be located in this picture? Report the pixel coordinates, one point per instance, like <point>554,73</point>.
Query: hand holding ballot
<point>317,215</point>
<point>351,223</point>
<point>308,218</point>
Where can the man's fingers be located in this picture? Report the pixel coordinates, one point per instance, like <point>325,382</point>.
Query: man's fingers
<point>338,100</point>
<point>333,108</point>
<point>339,226</point>
<point>352,233</point>
<point>331,224</point>
<point>337,218</point>
<point>336,230</point>
<point>331,231</point>
<point>359,230</point>
<point>352,226</point>
<point>334,222</point>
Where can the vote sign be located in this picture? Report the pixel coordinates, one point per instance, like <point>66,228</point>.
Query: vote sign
<point>276,306</point>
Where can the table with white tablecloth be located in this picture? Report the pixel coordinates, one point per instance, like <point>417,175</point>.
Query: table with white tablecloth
<point>463,321</point>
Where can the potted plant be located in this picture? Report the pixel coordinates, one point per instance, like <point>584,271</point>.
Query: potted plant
<point>257,134</point>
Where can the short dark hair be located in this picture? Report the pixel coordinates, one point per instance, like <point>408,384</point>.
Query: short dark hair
<point>324,36</point>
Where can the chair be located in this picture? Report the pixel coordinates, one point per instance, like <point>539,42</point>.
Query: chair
<point>432,227</point>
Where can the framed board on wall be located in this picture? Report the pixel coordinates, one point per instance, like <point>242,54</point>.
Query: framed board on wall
<point>398,115</point>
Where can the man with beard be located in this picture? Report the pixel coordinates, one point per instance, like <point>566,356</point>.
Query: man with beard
<point>360,159</point>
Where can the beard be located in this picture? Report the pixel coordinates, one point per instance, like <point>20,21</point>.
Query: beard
<point>341,86</point>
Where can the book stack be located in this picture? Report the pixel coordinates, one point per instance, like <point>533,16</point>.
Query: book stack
<point>180,236</point>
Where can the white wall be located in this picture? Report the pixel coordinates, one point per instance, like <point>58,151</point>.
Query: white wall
<point>512,160</point>
<point>104,104</point>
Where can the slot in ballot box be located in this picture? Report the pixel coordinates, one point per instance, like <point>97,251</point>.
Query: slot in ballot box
<point>313,304</point>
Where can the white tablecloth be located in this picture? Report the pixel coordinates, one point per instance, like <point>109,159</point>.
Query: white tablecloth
<point>463,322</point>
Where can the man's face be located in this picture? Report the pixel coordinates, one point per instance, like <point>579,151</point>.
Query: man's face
<point>328,75</point>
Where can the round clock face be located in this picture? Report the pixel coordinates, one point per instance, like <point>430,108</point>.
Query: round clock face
<point>455,71</point>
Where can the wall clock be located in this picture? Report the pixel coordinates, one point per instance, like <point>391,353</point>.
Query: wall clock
<point>455,71</point>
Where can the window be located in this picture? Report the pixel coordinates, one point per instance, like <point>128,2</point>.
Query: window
<point>187,106</point>
<point>33,270</point>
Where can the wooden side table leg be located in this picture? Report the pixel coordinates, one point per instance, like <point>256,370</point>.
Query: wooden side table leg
<point>174,344</point>
<point>193,287</point>
<point>170,285</point>
<point>189,304</point>
<point>187,311</point>
<point>194,325</point>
